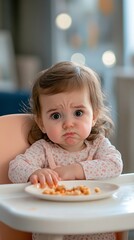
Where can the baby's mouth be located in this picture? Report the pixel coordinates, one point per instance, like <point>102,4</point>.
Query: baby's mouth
<point>69,134</point>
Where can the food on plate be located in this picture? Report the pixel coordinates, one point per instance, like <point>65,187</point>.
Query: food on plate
<point>78,190</point>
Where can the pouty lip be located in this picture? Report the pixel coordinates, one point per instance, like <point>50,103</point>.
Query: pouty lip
<point>69,134</point>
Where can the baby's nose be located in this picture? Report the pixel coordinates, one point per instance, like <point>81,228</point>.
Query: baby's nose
<point>68,123</point>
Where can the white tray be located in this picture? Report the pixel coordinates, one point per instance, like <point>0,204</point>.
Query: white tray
<point>24,212</point>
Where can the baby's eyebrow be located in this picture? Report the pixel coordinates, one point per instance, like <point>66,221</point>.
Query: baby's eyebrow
<point>52,110</point>
<point>79,106</point>
<point>56,109</point>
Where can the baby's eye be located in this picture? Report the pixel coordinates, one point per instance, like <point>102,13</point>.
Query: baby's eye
<point>55,116</point>
<point>78,113</point>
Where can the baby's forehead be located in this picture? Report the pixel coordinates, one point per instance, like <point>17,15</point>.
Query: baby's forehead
<point>74,93</point>
<point>65,99</point>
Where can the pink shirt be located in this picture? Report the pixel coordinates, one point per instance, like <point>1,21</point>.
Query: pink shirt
<point>99,159</point>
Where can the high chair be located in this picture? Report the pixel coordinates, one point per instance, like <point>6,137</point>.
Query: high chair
<point>13,140</point>
<point>14,130</point>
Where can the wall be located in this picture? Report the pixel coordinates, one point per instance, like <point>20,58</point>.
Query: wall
<point>34,29</point>
<point>30,24</point>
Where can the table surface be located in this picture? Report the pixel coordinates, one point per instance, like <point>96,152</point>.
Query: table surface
<point>21,211</point>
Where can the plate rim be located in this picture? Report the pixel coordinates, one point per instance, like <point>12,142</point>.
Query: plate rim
<point>75,198</point>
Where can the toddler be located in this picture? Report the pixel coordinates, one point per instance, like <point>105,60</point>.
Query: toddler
<point>69,138</point>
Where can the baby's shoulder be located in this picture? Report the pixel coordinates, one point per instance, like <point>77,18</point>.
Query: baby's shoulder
<point>100,139</point>
<point>44,143</point>
<point>39,143</point>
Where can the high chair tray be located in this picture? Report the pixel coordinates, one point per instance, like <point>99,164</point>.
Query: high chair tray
<point>25,212</point>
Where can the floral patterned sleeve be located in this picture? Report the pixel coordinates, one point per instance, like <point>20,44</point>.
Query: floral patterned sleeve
<point>25,164</point>
<point>106,162</point>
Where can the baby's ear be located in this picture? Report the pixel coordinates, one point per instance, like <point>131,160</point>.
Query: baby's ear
<point>93,123</point>
<point>95,117</point>
<point>39,122</point>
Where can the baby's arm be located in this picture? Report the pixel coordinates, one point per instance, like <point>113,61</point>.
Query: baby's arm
<point>106,163</point>
<point>21,168</point>
<point>71,172</point>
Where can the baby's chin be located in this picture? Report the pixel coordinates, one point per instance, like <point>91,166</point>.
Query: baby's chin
<point>72,146</point>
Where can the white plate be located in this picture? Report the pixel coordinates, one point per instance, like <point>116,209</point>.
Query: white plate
<point>107,190</point>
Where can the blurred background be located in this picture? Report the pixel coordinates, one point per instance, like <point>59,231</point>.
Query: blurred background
<point>35,34</point>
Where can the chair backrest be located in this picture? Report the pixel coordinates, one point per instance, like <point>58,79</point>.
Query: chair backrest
<point>14,130</point>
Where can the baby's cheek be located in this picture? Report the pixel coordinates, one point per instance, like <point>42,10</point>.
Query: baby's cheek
<point>53,134</point>
<point>86,130</point>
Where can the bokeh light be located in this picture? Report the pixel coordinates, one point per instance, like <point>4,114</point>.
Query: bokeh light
<point>108,58</point>
<point>78,58</point>
<point>63,21</point>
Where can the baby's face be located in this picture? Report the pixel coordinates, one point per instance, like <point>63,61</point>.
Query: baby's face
<point>67,118</point>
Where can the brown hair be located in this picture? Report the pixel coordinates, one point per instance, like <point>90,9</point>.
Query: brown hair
<point>65,77</point>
